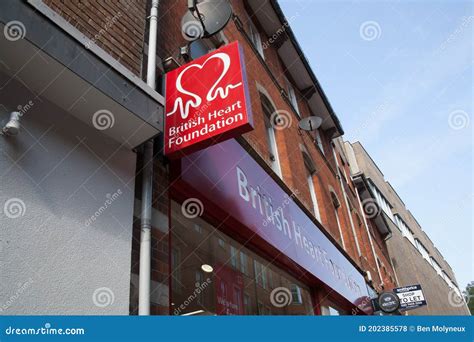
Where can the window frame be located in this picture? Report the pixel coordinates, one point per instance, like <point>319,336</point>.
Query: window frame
<point>268,110</point>
<point>255,37</point>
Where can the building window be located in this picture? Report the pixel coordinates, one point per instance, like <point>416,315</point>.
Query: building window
<point>436,266</point>
<point>406,232</point>
<point>198,228</point>
<point>336,204</point>
<point>381,201</point>
<point>296,294</point>
<point>247,304</point>
<point>200,47</point>
<point>314,199</point>
<point>261,274</point>
<point>255,37</point>
<point>233,257</point>
<point>199,283</point>
<point>292,97</point>
<point>221,243</point>
<point>319,141</point>
<point>310,170</point>
<point>328,310</point>
<point>423,251</point>
<point>269,116</point>
<point>176,274</point>
<point>243,263</point>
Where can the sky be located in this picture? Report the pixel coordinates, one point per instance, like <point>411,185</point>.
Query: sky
<point>399,75</point>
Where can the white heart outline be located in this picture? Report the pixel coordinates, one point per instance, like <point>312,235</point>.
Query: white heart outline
<point>211,94</point>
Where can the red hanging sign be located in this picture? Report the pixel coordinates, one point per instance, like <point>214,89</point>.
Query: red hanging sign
<point>207,101</point>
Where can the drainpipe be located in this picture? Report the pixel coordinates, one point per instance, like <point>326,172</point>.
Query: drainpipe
<point>147,180</point>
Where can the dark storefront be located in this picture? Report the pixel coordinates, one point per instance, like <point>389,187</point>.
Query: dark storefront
<point>241,245</point>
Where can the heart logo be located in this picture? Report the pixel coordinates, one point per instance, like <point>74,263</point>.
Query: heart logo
<point>194,100</point>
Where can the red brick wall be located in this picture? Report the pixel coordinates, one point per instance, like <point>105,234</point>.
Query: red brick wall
<point>289,139</point>
<point>118,26</point>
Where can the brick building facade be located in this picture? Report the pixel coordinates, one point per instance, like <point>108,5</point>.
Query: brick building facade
<point>312,168</point>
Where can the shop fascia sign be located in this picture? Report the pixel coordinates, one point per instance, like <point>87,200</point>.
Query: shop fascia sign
<point>207,101</point>
<point>227,176</point>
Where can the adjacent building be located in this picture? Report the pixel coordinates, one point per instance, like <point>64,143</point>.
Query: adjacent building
<point>275,221</point>
<point>413,255</point>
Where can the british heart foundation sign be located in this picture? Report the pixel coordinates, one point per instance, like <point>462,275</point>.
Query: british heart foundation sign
<point>207,101</point>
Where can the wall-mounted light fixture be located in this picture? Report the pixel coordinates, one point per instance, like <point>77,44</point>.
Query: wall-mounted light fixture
<point>13,125</point>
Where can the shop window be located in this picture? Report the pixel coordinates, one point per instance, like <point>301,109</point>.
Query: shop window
<point>233,257</point>
<point>198,228</point>
<point>329,308</point>
<point>329,311</point>
<point>296,294</point>
<point>231,288</point>
<point>243,263</point>
<point>248,304</point>
<point>199,283</point>
<point>175,261</point>
<point>260,274</point>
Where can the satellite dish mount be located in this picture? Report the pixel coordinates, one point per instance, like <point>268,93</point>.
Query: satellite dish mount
<point>205,18</point>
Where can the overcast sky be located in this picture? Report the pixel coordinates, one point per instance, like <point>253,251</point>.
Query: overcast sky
<point>399,74</point>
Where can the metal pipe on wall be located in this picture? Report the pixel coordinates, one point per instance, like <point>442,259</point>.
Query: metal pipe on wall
<point>147,180</point>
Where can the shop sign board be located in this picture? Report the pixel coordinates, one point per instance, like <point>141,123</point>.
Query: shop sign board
<point>206,101</point>
<point>411,297</point>
<point>388,302</point>
<point>228,177</point>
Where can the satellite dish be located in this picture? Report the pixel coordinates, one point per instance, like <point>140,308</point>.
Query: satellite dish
<point>205,18</point>
<point>311,123</point>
